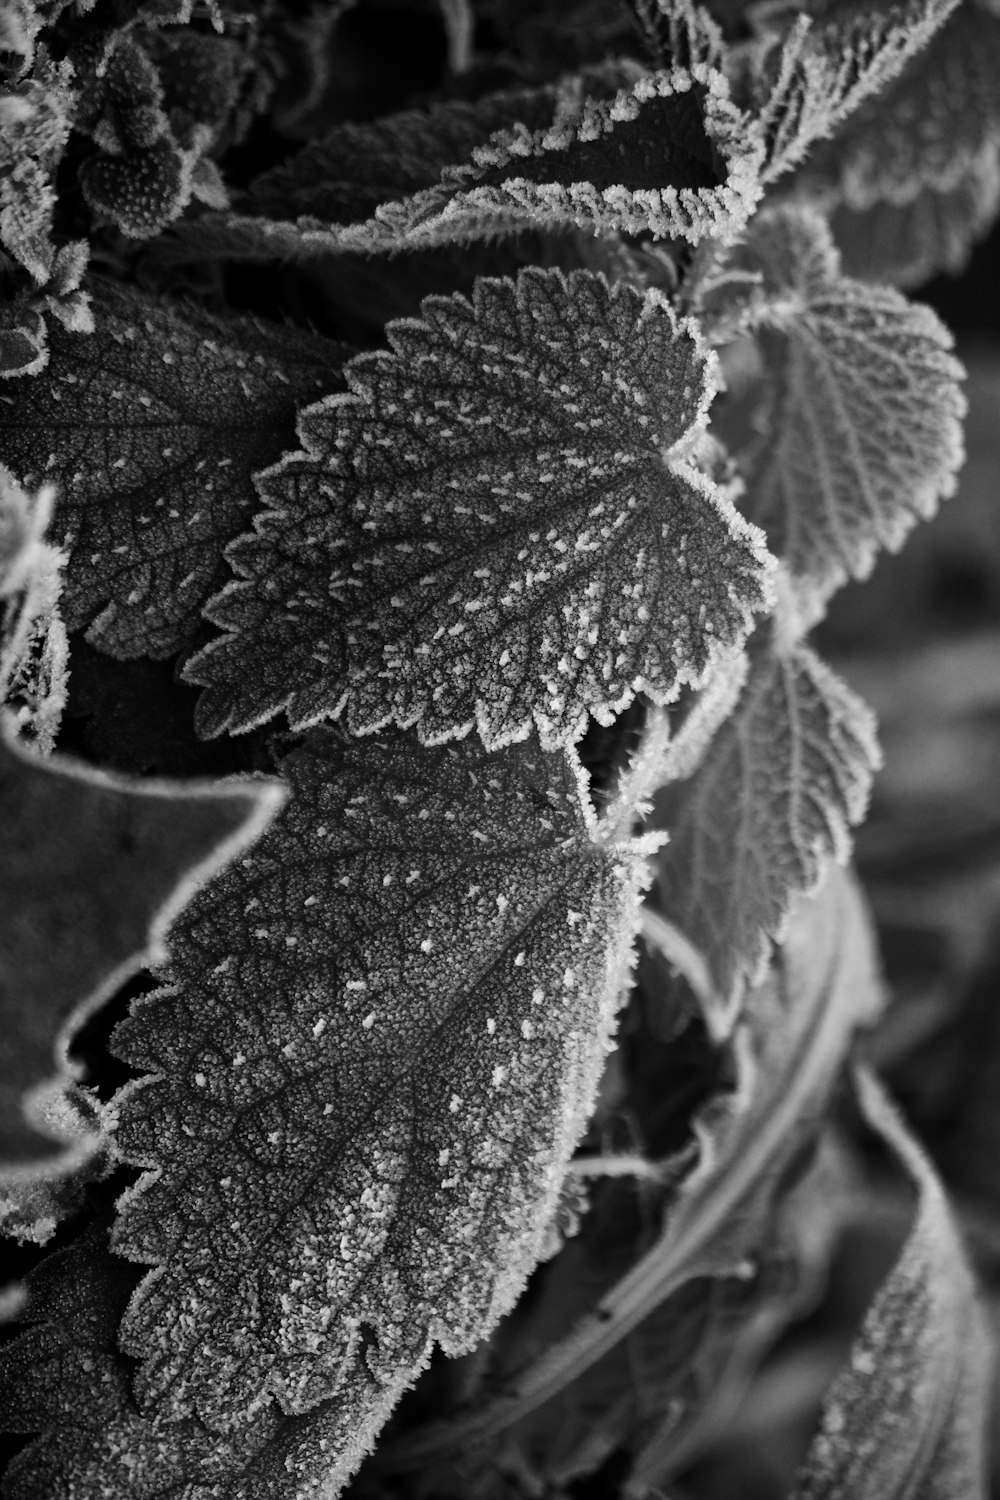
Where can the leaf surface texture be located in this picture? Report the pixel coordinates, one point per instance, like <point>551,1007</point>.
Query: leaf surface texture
<point>162,418</point>
<point>771,803</point>
<point>382,1041</point>
<point>499,526</point>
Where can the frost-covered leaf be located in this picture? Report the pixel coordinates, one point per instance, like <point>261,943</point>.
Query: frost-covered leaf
<point>913,180</point>
<point>668,155</point>
<point>814,72</point>
<point>347,174</point>
<point>92,868</point>
<point>907,1416</point>
<point>382,1041</point>
<point>768,807</point>
<point>35,118</point>
<point>33,648</point>
<point>787,1053</point>
<point>66,1379</point>
<point>860,423</point>
<point>162,418</point>
<point>32,1207</point>
<point>500,524</point>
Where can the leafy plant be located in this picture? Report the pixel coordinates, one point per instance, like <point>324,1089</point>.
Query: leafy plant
<point>442,431</point>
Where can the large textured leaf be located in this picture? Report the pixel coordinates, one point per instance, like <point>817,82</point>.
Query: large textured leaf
<point>92,868</point>
<point>501,524</point>
<point>815,75</point>
<point>769,806</point>
<point>668,155</point>
<point>923,157</point>
<point>382,1042</point>
<point>861,417</point>
<point>907,1416</point>
<point>162,418</point>
<point>787,1053</point>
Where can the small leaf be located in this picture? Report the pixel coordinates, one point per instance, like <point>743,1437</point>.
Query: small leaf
<point>67,1379</point>
<point>924,154</point>
<point>33,647</point>
<point>908,1414</point>
<point>500,525</point>
<point>92,869</point>
<point>768,807</point>
<point>861,420</point>
<point>161,421</point>
<point>382,1042</point>
<point>824,68</point>
<point>787,1054</point>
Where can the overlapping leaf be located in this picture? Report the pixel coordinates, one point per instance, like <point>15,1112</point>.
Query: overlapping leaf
<point>382,1042</point>
<point>788,1052</point>
<point>161,421</point>
<point>914,178</point>
<point>33,647</point>
<point>668,155</point>
<point>66,1378</point>
<point>861,411</point>
<point>499,525</point>
<point>92,868</point>
<point>908,1414</point>
<point>769,806</point>
<point>815,75</point>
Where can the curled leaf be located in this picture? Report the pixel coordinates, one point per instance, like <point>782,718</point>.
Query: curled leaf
<point>907,1416</point>
<point>769,805</point>
<point>501,525</point>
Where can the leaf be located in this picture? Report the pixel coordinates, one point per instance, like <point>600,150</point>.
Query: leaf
<point>668,155</point>
<point>787,1053</point>
<point>822,69</point>
<point>500,524</point>
<point>861,420</point>
<point>382,1041</point>
<point>92,869</point>
<point>32,1207</point>
<point>907,1416</point>
<point>347,174</point>
<point>67,1379</point>
<point>33,648</point>
<point>913,180</point>
<point>767,808</point>
<point>162,420</point>
<point>35,119</point>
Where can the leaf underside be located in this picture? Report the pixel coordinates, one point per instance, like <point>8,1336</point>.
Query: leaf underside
<point>908,1413</point>
<point>861,409</point>
<point>770,805</point>
<point>496,528</point>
